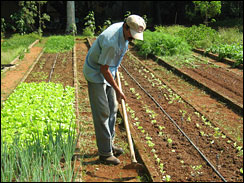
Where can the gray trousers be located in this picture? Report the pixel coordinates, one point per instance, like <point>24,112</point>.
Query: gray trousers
<point>104,108</point>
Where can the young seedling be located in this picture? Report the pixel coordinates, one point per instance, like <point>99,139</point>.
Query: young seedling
<point>197,125</point>
<point>188,119</point>
<point>167,178</point>
<point>160,134</point>
<point>161,127</point>
<point>150,143</point>
<point>202,133</point>
<point>138,96</point>
<point>132,90</point>
<point>170,140</point>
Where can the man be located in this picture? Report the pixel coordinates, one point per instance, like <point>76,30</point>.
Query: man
<point>101,65</point>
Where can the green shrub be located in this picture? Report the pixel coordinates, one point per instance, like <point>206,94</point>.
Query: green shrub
<point>106,24</point>
<point>161,44</point>
<point>88,32</point>
<point>200,36</point>
<point>90,24</point>
<point>173,30</point>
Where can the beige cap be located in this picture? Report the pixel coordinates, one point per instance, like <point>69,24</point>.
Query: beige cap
<point>137,26</point>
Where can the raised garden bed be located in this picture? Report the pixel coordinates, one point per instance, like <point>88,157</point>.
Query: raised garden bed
<point>158,132</point>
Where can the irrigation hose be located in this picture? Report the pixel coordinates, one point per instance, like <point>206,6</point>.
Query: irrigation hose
<point>53,68</point>
<point>204,157</point>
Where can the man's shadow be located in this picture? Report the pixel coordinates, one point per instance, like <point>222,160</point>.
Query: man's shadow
<point>87,157</point>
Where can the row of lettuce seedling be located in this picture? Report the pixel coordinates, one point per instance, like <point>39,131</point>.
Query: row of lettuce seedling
<point>148,139</point>
<point>38,133</point>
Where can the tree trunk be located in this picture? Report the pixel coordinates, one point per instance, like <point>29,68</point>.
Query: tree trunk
<point>206,20</point>
<point>70,26</point>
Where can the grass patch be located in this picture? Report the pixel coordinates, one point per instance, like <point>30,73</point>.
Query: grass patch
<point>59,44</point>
<point>15,46</point>
<point>230,36</point>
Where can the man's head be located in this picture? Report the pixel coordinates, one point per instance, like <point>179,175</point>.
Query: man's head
<point>136,26</point>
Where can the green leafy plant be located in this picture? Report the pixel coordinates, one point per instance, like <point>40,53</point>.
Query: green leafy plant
<point>208,9</point>
<point>169,140</point>
<point>42,17</point>
<point>3,27</point>
<point>150,143</point>
<point>133,90</point>
<point>138,96</point>
<point>233,51</point>
<point>167,178</point>
<point>90,24</point>
<point>199,36</point>
<point>127,13</point>
<point>24,19</point>
<point>161,44</point>
<point>57,44</point>
<point>105,25</point>
<point>37,108</point>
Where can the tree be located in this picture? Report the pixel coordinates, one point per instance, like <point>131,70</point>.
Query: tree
<point>208,9</point>
<point>24,19</point>
<point>71,26</point>
<point>42,17</point>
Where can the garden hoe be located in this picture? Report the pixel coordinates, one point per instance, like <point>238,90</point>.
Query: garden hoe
<point>134,164</point>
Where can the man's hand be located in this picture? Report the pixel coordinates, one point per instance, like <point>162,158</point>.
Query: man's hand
<point>120,95</point>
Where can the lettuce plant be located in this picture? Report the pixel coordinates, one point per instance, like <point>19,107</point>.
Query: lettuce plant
<point>37,108</point>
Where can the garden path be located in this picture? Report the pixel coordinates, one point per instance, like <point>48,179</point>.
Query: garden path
<point>11,78</point>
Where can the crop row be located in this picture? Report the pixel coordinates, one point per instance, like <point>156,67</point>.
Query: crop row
<point>37,133</point>
<point>204,134</point>
<point>37,107</point>
<point>171,97</point>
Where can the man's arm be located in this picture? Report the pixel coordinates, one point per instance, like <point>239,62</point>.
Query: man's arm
<point>109,78</point>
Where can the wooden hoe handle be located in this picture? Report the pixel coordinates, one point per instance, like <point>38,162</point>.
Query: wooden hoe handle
<point>132,152</point>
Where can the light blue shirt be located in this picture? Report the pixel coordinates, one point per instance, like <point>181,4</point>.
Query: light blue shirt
<point>108,49</point>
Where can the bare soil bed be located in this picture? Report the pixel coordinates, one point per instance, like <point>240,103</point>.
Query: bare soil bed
<point>180,157</point>
<point>62,70</point>
<point>223,80</point>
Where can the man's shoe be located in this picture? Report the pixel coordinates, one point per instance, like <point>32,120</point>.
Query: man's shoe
<point>109,160</point>
<point>117,151</point>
